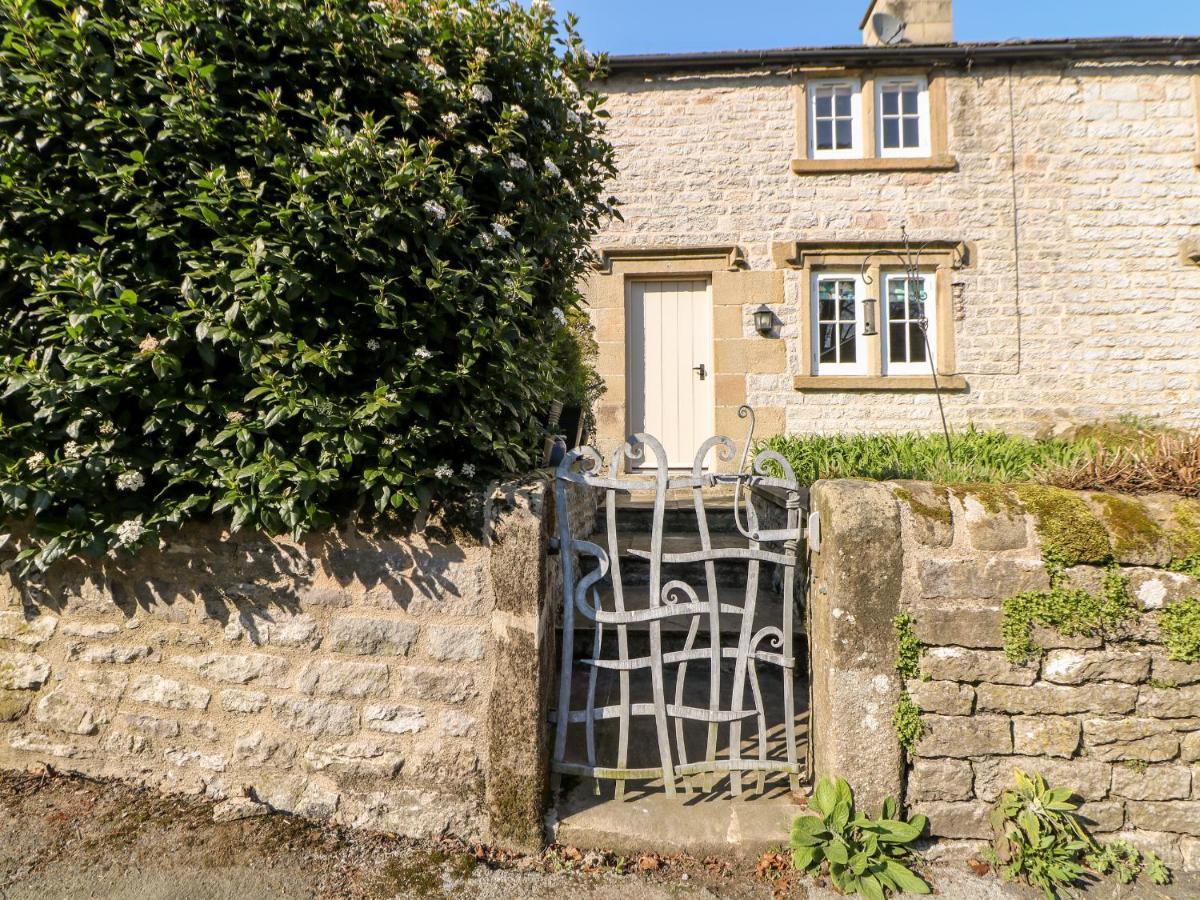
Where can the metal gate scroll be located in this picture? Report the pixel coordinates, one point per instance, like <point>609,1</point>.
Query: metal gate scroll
<point>588,565</point>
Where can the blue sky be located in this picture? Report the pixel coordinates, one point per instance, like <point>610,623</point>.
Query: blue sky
<point>653,26</point>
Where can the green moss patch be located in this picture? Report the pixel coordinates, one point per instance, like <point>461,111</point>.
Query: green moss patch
<point>1184,531</point>
<point>1129,523</point>
<point>938,511</point>
<point>1069,530</point>
<point>1180,626</point>
<point>995,498</point>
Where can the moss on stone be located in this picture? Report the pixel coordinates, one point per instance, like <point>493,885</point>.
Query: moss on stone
<point>995,498</point>
<point>1180,625</point>
<point>1128,521</point>
<point>937,513</point>
<point>13,705</point>
<point>1069,530</point>
<point>1184,529</point>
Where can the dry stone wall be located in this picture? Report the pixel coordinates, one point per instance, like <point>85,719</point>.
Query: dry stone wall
<point>387,682</point>
<point>1111,716</point>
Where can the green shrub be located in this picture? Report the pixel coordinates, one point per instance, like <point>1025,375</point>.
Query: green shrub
<point>979,456</point>
<point>861,855</point>
<point>282,259</point>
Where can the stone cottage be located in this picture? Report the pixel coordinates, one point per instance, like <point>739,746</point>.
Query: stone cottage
<point>1054,186</point>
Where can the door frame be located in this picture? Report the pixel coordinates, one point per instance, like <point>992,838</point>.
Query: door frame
<point>633,362</point>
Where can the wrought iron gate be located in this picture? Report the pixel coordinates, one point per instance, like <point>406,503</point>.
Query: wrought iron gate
<point>587,566</point>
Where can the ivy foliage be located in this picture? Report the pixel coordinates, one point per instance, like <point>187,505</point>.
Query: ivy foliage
<point>281,259</point>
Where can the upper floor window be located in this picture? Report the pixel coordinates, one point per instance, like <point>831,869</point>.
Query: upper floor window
<point>902,109</point>
<point>835,119</point>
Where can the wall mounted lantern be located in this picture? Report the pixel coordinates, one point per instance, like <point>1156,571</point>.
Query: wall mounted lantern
<point>870,322</point>
<point>764,320</point>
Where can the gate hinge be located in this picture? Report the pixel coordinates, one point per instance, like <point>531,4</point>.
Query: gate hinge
<point>813,532</point>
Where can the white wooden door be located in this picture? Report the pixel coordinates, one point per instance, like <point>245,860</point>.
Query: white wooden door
<point>671,365</point>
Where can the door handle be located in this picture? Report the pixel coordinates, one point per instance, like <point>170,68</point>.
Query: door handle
<point>700,370</point>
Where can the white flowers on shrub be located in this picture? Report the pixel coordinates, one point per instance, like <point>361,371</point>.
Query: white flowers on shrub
<point>468,470</point>
<point>108,428</point>
<point>518,111</point>
<point>477,150</point>
<point>36,460</point>
<point>373,345</point>
<point>236,417</point>
<point>507,187</point>
<point>516,162</point>
<point>435,209</point>
<point>130,481</point>
<point>559,316</point>
<point>486,241</point>
<point>149,344</point>
<point>412,101</point>
<point>130,531</point>
<point>436,70</point>
<point>501,232</point>
<point>481,93</point>
<point>422,353</point>
<point>573,117</point>
<point>552,168</point>
<point>450,119</point>
<point>443,472</point>
<point>71,449</point>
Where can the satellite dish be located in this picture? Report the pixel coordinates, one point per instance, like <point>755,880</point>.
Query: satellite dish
<point>888,28</point>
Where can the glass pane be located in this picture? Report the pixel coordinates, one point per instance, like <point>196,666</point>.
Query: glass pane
<point>910,101</point>
<point>826,311</point>
<point>847,307</point>
<point>912,132</point>
<point>916,299</point>
<point>824,105</point>
<point>849,352</point>
<point>896,349</point>
<point>896,308</point>
<point>891,103</point>
<point>917,343</point>
<point>824,134</point>
<point>891,133</point>
<point>828,350</point>
<point>844,140</point>
<point>842,103</point>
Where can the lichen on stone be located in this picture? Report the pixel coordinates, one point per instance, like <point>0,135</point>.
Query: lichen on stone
<point>1068,528</point>
<point>939,512</point>
<point>995,498</point>
<point>1184,532</point>
<point>1132,529</point>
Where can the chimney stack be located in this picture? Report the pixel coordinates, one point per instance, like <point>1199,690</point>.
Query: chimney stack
<point>925,22</point>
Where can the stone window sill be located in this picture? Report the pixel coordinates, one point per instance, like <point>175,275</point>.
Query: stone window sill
<point>877,383</point>
<point>875,164</point>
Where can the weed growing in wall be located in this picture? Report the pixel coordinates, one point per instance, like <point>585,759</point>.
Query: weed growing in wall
<point>906,718</point>
<point>1180,627</point>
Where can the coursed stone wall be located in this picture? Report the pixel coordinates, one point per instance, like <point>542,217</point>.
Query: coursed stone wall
<point>381,681</point>
<point>1112,717</point>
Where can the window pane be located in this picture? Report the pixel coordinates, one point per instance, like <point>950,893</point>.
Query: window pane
<point>916,300</point>
<point>849,352</point>
<point>910,102</point>
<point>842,103</point>
<point>847,307</point>
<point>824,105</point>
<point>826,311</point>
<point>891,103</point>
<point>828,349</point>
<point>824,134</point>
<point>917,343</point>
<point>891,133</point>
<point>897,352</point>
<point>912,132</point>
<point>844,140</point>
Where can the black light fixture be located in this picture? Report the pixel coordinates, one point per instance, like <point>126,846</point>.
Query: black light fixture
<point>870,322</point>
<point>764,320</point>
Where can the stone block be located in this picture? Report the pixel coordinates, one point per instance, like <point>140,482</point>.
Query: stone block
<point>1088,778</point>
<point>184,757</point>
<point>1164,844</point>
<point>322,717</point>
<point>240,668</point>
<point>393,719</point>
<point>235,809</point>
<point>361,757</point>
<point>945,698</point>
<point>18,631</point>
<point>963,736</point>
<point>1152,783</point>
<point>1190,747</point>
<point>169,693</point>
<point>243,701</point>
<point>1102,816</point>
<point>1170,703</point>
<point>449,643</point>
<point>1046,736</point>
<point>963,626</point>
<point>1177,673</point>
<point>69,713</point>
<point>1155,588</point>
<point>1046,699</point>
<point>328,678</point>
<point>117,654</point>
<point>1190,850</point>
<point>1129,738</point>
<point>1006,529</point>
<point>1008,576</point>
<point>940,779</point>
<point>13,704</point>
<point>456,724</point>
<point>257,750</point>
<point>22,671</point>
<point>442,685</point>
<point>1081,667</point>
<point>371,637</point>
<point>44,745</point>
<point>151,726</point>
<point>931,518</point>
<point>1052,639</point>
<point>960,664</point>
<point>1176,817</point>
<point>952,578</point>
<point>957,820</point>
<point>104,684</point>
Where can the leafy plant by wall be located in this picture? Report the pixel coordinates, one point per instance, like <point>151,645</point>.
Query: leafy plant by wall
<point>281,259</point>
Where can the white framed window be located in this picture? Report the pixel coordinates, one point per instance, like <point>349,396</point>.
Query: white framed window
<point>838,346</point>
<point>834,119</point>
<point>902,116</point>
<point>909,326</point>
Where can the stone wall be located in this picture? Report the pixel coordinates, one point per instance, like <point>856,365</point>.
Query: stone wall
<point>392,682</point>
<point>1114,718</point>
<point>1075,186</point>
